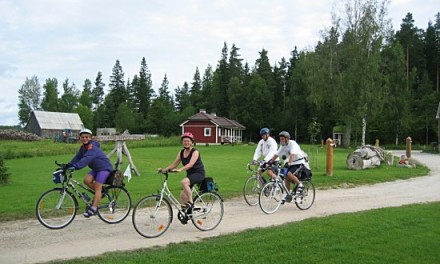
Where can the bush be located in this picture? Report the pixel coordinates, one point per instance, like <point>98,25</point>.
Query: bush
<point>4,175</point>
<point>18,135</point>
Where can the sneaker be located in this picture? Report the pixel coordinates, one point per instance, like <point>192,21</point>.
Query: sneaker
<point>89,212</point>
<point>283,200</point>
<point>287,198</point>
<point>300,190</point>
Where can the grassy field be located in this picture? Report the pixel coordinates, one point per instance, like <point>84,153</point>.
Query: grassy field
<point>30,177</point>
<point>407,234</point>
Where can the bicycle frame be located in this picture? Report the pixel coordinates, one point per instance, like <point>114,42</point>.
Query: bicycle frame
<point>72,183</point>
<point>165,193</point>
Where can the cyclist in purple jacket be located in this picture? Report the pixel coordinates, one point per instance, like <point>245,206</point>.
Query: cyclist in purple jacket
<point>91,155</point>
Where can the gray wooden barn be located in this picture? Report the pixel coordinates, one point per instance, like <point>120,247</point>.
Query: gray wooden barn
<point>52,124</point>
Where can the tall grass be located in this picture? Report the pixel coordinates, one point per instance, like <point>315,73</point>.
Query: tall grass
<point>30,177</point>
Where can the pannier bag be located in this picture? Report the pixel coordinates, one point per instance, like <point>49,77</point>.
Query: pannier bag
<point>116,178</point>
<point>305,173</point>
<point>58,177</point>
<point>208,185</point>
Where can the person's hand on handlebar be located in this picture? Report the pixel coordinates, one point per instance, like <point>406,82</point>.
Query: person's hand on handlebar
<point>167,170</point>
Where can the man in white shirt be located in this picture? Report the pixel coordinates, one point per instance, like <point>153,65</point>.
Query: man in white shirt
<point>266,148</point>
<point>295,159</point>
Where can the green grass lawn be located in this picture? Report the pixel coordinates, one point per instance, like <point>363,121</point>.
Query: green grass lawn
<point>407,234</point>
<point>30,177</point>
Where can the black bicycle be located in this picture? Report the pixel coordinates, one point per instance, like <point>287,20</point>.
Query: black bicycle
<point>58,207</point>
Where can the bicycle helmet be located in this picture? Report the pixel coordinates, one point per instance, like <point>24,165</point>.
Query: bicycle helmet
<point>284,134</point>
<point>187,135</point>
<point>264,131</point>
<point>85,130</point>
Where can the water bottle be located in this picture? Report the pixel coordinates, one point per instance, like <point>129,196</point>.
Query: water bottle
<point>85,197</point>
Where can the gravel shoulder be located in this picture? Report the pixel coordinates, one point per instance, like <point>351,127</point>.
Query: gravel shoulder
<point>27,241</point>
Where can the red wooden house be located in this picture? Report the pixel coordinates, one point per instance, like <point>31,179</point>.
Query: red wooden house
<point>212,129</point>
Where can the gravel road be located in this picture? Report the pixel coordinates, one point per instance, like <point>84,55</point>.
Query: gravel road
<point>28,241</point>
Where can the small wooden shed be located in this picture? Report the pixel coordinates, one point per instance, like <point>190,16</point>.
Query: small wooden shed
<point>51,124</point>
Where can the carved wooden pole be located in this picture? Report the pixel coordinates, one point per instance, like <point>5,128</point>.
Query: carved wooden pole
<point>329,167</point>
<point>408,147</point>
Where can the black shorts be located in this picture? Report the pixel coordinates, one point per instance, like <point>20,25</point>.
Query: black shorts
<point>195,178</point>
<point>294,168</point>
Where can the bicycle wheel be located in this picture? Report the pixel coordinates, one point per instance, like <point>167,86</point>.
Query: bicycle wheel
<point>270,197</point>
<point>152,216</point>
<point>208,211</point>
<point>305,200</point>
<point>115,206</point>
<point>251,190</point>
<point>56,208</point>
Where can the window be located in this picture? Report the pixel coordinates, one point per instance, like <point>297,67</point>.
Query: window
<point>207,132</point>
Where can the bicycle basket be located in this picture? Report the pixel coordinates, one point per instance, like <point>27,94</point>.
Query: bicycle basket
<point>59,177</point>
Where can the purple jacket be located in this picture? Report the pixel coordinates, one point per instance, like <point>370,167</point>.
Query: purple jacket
<point>92,156</point>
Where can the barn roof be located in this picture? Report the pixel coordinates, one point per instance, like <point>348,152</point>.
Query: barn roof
<point>220,121</point>
<point>56,120</point>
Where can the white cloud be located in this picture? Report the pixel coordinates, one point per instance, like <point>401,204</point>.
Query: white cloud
<point>76,39</point>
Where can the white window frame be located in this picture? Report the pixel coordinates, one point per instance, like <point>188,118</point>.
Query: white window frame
<point>207,131</point>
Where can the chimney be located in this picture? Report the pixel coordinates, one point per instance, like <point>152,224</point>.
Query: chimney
<point>202,111</point>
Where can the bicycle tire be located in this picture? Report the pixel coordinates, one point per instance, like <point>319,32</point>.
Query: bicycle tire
<point>207,212</point>
<point>56,208</point>
<point>305,200</point>
<point>251,190</point>
<point>152,216</point>
<point>270,197</point>
<point>117,208</point>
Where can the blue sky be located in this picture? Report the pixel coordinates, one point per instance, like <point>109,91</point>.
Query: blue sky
<point>76,39</point>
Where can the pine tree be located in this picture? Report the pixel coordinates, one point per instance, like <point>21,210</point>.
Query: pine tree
<point>70,98</point>
<point>86,97</point>
<point>98,92</point>
<point>50,95</point>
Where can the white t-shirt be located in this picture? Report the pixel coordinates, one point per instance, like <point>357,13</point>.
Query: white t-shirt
<point>292,148</point>
<point>266,148</point>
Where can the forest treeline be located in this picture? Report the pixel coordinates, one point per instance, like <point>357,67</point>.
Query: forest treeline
<point>362,78</point>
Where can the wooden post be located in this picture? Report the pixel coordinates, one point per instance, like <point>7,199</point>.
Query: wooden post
<point>408,147</point>
<point>121,148</point>
<point>329,167</point>
<point>377,142</point>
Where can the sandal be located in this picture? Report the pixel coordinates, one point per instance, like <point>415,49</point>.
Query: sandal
<point>90,212</point>
<point>188,207</point>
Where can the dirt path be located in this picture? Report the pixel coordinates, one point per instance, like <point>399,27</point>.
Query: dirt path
<point>29,242</point>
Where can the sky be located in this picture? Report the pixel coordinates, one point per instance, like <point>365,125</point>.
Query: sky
<point>76,39</point>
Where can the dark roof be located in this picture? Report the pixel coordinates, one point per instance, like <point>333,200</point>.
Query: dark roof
<point>220,121</point>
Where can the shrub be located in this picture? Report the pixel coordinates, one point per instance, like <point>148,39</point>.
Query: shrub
<point>4,175</point>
